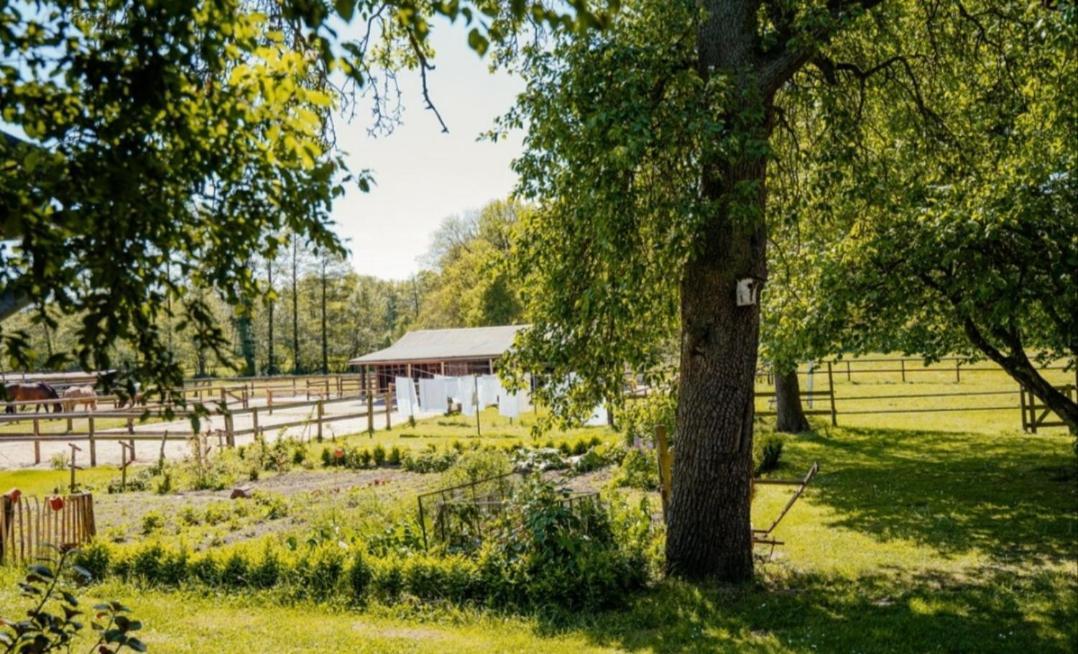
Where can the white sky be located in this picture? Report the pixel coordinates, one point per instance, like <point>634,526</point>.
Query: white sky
<point>422,175</point>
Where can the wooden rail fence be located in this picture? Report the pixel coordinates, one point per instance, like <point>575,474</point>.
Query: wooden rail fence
<point>232,405</point>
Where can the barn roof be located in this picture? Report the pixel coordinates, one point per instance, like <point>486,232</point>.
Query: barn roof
<point>427,345</point>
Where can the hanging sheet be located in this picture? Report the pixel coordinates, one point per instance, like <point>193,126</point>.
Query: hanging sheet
<point>490,387</point>
<point>433,395</point>
<point>407,402</point>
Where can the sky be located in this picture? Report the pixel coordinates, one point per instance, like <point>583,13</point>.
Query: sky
<point>422,175</point>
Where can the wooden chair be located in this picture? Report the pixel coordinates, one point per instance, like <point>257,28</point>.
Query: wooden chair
<point>764,536</point>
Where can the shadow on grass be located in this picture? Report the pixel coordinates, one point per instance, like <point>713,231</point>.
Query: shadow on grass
<point>987,610</point>
<point>1013,497</point>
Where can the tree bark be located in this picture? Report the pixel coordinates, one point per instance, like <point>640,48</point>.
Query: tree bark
<point>295,307</point>
<point>1021,369</point>
<point>709,535</point>
<point>271,365</point>
<point>790,415</point>
<point>325,341</point>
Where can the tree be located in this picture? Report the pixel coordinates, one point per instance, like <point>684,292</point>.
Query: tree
<point>962,238</point>
<point>187,130</point>
<point>166,133</point>
<point>647,150</point>
<point>470,256</point>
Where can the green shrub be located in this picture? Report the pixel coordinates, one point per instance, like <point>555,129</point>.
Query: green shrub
<point>545,553</point>
<point>94,558</point>
<point>766,453</point>
<point>428,460</point>
<point>152,522</point>
<point>235,573</point>
<point>387,580</point>
<point>268,571</point>
<point>538,459</point>
<point>580,448</point>
<point>205,569</point>
<point>394,458</point>
<point>641,417</point>
<point>564,448</point>
<point>475,465</point>
<point>593,459</point>
<point>327,457</point>
<point>637,470</point>
<point>359,577</point>
<point>379,455</point>
<point>365,458</point>
<point>320,572</point>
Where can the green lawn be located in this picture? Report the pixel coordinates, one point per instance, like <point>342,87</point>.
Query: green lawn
<point>909,541</point>
<point>41,482</point>
<point>442,431</point>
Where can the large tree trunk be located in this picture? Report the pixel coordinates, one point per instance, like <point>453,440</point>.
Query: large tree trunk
<point>709,535</point>
<point>790,415</point>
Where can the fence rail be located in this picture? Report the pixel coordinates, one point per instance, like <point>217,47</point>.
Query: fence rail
<point>230,404</point>
<point>1033,414</point>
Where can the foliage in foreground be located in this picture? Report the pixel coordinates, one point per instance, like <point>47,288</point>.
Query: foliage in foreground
<point>52,622</point>
<point>539,555</point>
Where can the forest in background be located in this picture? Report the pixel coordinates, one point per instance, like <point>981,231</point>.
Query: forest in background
<point>317,312</point>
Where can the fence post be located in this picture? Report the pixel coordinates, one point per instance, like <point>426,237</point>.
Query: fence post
<point>957,371</point>
<point>370,410</point>
<point>903,364</point>
<point>37,443</point>
<point>93,443</point>
<point>389,403</point>
<point>831,392</point>
<point>254,420</point>
<point>230,436</point>
<point>321,412</point>
<point>269,400</point>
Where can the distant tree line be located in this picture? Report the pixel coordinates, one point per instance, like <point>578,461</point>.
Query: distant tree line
<point>315,312</point>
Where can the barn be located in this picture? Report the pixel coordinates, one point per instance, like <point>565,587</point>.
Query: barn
<point>430,352</point>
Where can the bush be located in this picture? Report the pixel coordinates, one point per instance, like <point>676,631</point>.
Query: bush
<point>379,455</point>
<point>152,522</point>
<point>429,460</point>
<point>538,460</point>
<point>327,457</point>
<point>766,453</point>
<point>637,470</point>
<point>544,553</point>
<point>597,457</point>
<point>359,577</point>
<point>475,465</point>
<point>394,458</point>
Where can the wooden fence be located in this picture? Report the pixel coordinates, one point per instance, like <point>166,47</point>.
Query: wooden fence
<point>231,403</point>
<point>857,399</point>
<point>30,525</point>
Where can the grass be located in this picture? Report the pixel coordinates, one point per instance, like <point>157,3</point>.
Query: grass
<point>908,541</point>
<point>443,431</point>
<point>41,482</point>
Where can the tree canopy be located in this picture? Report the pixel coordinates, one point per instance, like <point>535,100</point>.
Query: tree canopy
<point>170,142</point>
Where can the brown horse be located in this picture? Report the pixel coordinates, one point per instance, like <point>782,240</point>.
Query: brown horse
<point>25,392</point>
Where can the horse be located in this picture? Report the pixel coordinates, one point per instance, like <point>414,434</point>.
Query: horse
<point>132,400</point>
<point>83,395</point>
<point>24,392</point>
